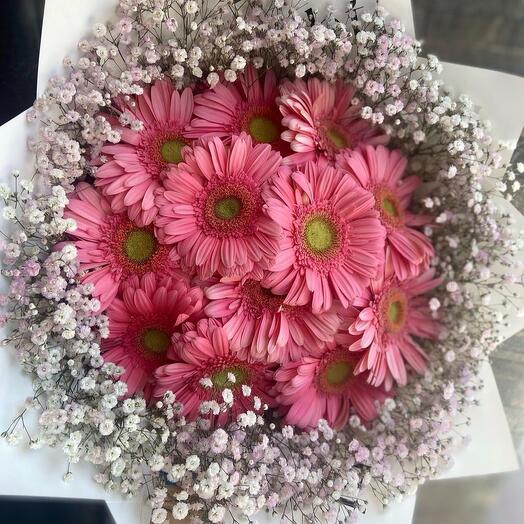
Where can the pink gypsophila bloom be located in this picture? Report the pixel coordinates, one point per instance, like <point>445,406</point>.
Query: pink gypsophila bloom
<point>249,105</point>
<point>137,163</point>
<point>392,312</point>
<point>212,208</point>
<point>322,121</point>
<point>333,241</point>
<point>325,387</point>
<point>258,321</point>
<point>110,247</point>
<point>206,354</point>
<point>380,171</point>
<point>142,324</point>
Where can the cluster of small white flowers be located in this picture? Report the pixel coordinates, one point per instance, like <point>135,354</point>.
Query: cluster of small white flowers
<point>193,468</point>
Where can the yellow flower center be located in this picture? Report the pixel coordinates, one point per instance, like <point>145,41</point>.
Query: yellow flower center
<point>319,234</point>
<point>140,245</point>
<point>156,340</point>
<point>263,129</point>
<point>228,208</point>
<point>171,151</point>
<point>221,379</point>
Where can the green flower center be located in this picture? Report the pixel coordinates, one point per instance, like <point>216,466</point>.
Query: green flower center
<point>156,340</point>
<point>263,129</point>
<point>337,139</point>
<point>221,380</point>
<point>140,245</point>
<point>395,312</point>
<point>171,151</point>
<point>320,234</point>
<point>338,373</point>
<point>228,208</point>
<point>390,207</point>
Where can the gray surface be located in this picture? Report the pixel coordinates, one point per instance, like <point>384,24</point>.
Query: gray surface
<point>483,33</point>
<point>487,34</point>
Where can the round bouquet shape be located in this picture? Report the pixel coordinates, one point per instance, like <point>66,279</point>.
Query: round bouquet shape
<point>251,273</point>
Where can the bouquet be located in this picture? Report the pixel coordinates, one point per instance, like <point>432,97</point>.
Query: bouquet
<point>252,268</point>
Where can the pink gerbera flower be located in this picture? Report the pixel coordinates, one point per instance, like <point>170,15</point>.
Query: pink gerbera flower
<point>212,208</point>
<point>249,106</point>
<point>136,165</point>
<point>258,320</point>
<point>325,387</point>
<point>142,324</point>
<point>391,313</point>
<point>321,120</point>
<point>333,241</point>
<point>205,355</point>
<point>111,247</point>
<point>380,171</point>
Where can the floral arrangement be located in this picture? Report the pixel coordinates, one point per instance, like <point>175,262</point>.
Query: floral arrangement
<point>253,269</point>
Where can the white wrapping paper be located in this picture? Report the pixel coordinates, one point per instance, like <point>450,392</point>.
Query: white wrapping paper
<point>39,472</point>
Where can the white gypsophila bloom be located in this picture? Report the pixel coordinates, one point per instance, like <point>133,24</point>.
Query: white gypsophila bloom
<point>9,213</point>
<point>434,304</point>
<point>182,495</point>
<point>99,30</point>
<point>238,63</point>
<point>113,453</point>
<point>106,427</point>
<point>300,70</point>
<point>177,472</point>
<point>192,463</point>
<point>4,192</point>
<point>230,75</point>
<point>227,395</point>
<point>246,390</point>
<point>191,7</point>
<point>216,513</point>
<point>156,462</point>
<point>213,79</point>
<point>177,71</point>
<point>159,516</point>
<point>180,55</point>
<point>118,467</point>
<point>180,511</point>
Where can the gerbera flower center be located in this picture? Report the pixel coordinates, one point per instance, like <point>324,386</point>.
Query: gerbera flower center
<point>336,372</point>
<point>160,146</point>
<point>263,129</point>
<point>171,151</point>
<point>257,299</point>
<point>332,138</point>
<point>132,250</point>
<point>320,234</point>
<point>389,207</point>
<point>228,208</point>
<point>222,378</point>
<point>140,245</point>
<point>393,308</point>
<point>156,340</point>
<point>337,139</point>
